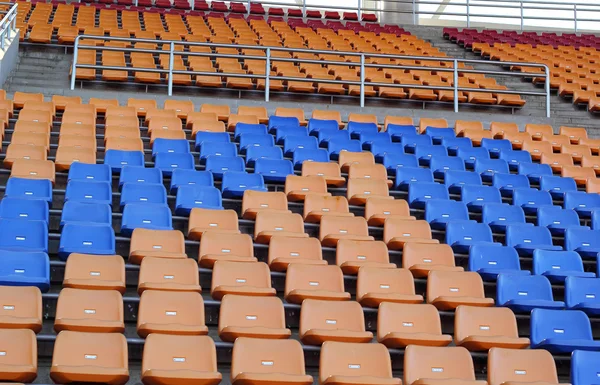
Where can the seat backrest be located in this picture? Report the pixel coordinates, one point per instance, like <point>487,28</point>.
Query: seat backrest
<point>399,227</point>
<point>484,322</point>
<point>523,366</point>
<point>531,197</point>
<point>274,221</point>
<point>202,220</point>
<point>261,200</point>
<point>347,159</point>
<point>86,271</point>
<point>244,311</point>
<point>376,280</point>
<point>454,284</point>
<point>168,308</point>
<point>534,287</point>
<point>21,303</point>
<point>425,254</point>
<point>471,231</point>
<point>168,241</point>
<point>547,261</point>
<point>290,248</point>
<point>79,309</point>
<point>407,318</point>
<point>354,360</point>
<point>240,274</point>
<point>437,363</point>
<point>387,207</point>
<point>33,169</point>
<point>327,115</point>
<point>445,210</point>
<point>461,125</point>
<point>325,204</point>
<point>20,351</point>
<point>314,277</point>
<point>324,169</point>
<point>432,122</point>
<point>560,325</point>
<point>493,256</point>
<point>581,290</point>
<point>366,171</point>
<point>518,234</point>
<point>331,315</point>
<point>343,225</point>
<point>349,250</point>
<point>155,271</point>
<point>214,242</point>
<point>305,184</point>
<point>480,194</point>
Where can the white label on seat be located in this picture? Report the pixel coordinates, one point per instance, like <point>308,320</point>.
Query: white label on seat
<point>89,311</point>
<point>294,254</point>
<point>428,196</point>
<point>387,212</point>
<point>240,280</point>
<point>437,370</point>
<point>559,331</point>
<point>313,283</point>
<point>28,193</point>
<point>267,363</point>
<point>522,293</point>
<point>198,202</point>
<point>278,228</point>
<point>556,222</point>
<point>2,353</point>
<point>88,196</point>
<point>468,238</point>
<point>32,173</point>
<point>330,322</point>
<point>362,257</point>
<point>585,244</point>
<point>168,276</point>
<point>225,251</point>
<point>454,289</point>
<point>305,189</point>
<point>213,225</point>
<point>19,271</point>
<point>484,327</point>
<point>493,263</point>
<point>556,267</point>
<point>353,366</point>
<point>174,165</point>
<point>87,243</point>
<point>170,313</point>
<point>251,317</point>
<point>384,286</point>
<point>407,324</point>
<point>527,240</point>
<point>146,221</point>
<point>26,157</point>
<point>264,205</point>
<point>590,296</point>
<point>406,234</point>
<point>90,356</point>
<point>427,260</point>
<point>95,273</point>
<point>8,307</point>
<point>325,209</point>
<point>157,247</point>
<point>142,199</point>
<point>178,359</point>
<point>141,180</point>
<point>445,215</point>
<point>343,231</point>
<point>501,219</point>
<point>19,238</point>
<point>520,372</point>
<point>479,199</point>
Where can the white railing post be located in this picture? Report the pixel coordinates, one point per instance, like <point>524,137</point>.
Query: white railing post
<point>575,16</point>
<point>522,16</point>
<point>547,86</point>
<point>358,11</point>
<point>74,66</point>
<point>455,85</point>
<point>468,14</point>
<point>267,73</point>
<point>304,8</point>
<point>136,3</point>
<point>362,80</point>
<point>171,51</point>
<point>249,4</point>
<point>414,11</point>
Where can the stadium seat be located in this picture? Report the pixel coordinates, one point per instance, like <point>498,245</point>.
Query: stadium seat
<point>167,162</point>
<point>72,358</point>
<point>448,289</point>
<point>286,250</point>
<point>470,155</point>
<point>440,164</point>
<point>182,177</point>
<point>156,243</point>
<point>583,294</point>
<point>84,271</point>
<point>21,347</point>
<point>307,281</point>
<point>582,240</point>
<point>292,143</point>
<point>376,285</point>
<point>450,363</point>
<point>462,235</point>
<point>352,255</point>
<point>506,183</point>
<point>392,161</point>
<point>151,216</point>
<point>256,317</point>
<point>531,199</point>
<point>425,153</point>
<point>411,142</point>
<point>397,232</point>
<point>487,168</point>
<point>169,312</point>
<point>248,141</point>
<point>583,367</point>
<point>191,196</point>
<point>116,159</point>
<point>298,187</point>
<point>86,213</point>
<point>217,246</point>
<point>25,268</point>
<point>18,208</point>
<point>235,183</point>
<point>29,189</point>
<point>480,329</point>
<point>396,130</point>
<point>258,152</point>
<point>496,146</point>
<point>420,192</point>
<point>475,197</point>
<point>133,174</point>
<point>584,203</point>
<point>556,219</point>
<point>522,293</point>
<point>439,212</point>
<point>507,366</point>
<point>241,278</point>
<point>181,146</point>
<point>407,175</point>
<point>561,331</point>
<point>377,210</point>
<point>455,180</point>
<point>89,192</point>
<point>245,128</point>
<point>273,170</point>
<point>557,186</point>
<point>558,265</point>
<point>341,321</point>
<point>534,171</point>
<point>82,310</point>
<point>421,258</point>
<point>334,229</point>
<point>85,238</point>
<point>23,235</point>
<point>316,206</point>
<point>93,172</point>
<point>526,238</point>
<point>182,275</point>
<point>491,260</point>
<point>500,215</point>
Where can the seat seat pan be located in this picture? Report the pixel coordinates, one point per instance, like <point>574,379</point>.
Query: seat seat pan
<point>265,236</point>
<point>299,295</point>
<point>230,333</point>
<point>180,377</point>
<point>379,219</point>
<point>374,299</point>
<point>450,302</point>
<point>401,340</point>
<point>352,267</point>
<point>145,328</point>
<point>136,256</point>
<point>220,291</point>
<point>209,260</point>
<point>89,325</point>
<point>318,336</point>
<point>397,243</point>
<point>281,264</point>
<point>271,379</point>
<point>331,240</point>
<point>63,374</point>
<point>422,269</point>
<point>525,306</point>
<point>559,346</point>
<point>361,380</point>
<point>168,287</point>
<point>316,215</point>
<point>484,343</point>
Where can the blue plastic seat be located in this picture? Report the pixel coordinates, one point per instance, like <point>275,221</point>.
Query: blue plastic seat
<point>526,238</point>
<point>329,135</point>
<point>170,145</point>
<point>494,146</point>
<point>421,192</point>
<point>440,164</point>
<point>274,170</point>
<point>500,215</point>
<point>215,137</point>
<point>167,162</point>
<point>491,260</point>
<point>190,178</point>
<point>221,164</point>
<point>515,158</point>
<point>584,241</point>
<point>596,219</point>
<point>439,212</point>
<point>293,143</point>
<point>357,128</point>
<point>562,331</point>
<point>582,202</point>
<point>476,196</point>
<point>88,191</point>
<point>557,186</point>
<point>488,167</point>
<point>508,182</point>
<point>202,197</point>
<point>557,219</point>
<point>411,142</point>
<point>247,128</point>
<point>276,122</point>
<point>534,171</point>
<point>281,133</point>
<point>558,265</point>
<point>302,154</point>
<point>116,159</point>
<point>584,367</point>
<point>455,180</point>
<point>439,133</point>
<point>583,294</point>
<point>407,175</point>
<point>531,199</point>
<point>396,131</point>
<point>255,140</point>
<point>93,172</point>
<point>381,149</point>
<point>19,208</point>
<point>86,213</point>
<point>336,146</point>
<point>255,153</point>
<point>235,183</point>
<point>23,235</point>
<point>29,189</point>
<point>132,174</point>
<point>143,193</point>
<point>86,238</point>
<point>522,293</point>
<point>425,153</point>
<point>368,139</point>
<point>462,235</point>
<point>392,161</point>
<point>25,268</point>
<point>453,144</point>
<point>145,215</point>
<point>316,125</point>
<point>217,149</point>
<point>470,155</point>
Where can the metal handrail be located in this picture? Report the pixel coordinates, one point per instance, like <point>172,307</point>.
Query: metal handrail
<point>268,58</point>
<point>8,24</point>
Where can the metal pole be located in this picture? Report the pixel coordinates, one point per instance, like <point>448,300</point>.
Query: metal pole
<point>362,80</point>
<point>359,9</point>
<point>267,73</point>
<point>522,17</point>
<point>74,69</point>
<point>249,7</point>
<point>455,85</point>
<point>304,8</point>
<point>575,16</point>
<point>193,4</point>
<point>414,11</point>
<point>171,68</point>
<point>468,14</point>
<point>547,84</point>
<point>2,39</point>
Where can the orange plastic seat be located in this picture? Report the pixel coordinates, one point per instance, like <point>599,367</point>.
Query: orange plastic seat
<point>421,258</point>
<point>328,115</point>
<point>32,139</point>
<point>352,255</point>
<point>574,133</point>
<point>461,125</point>
<point>156,243</point>
<point>284,251</point>
<point>33,169</point>
<point>398,120</point>
<point>397,232</point>
<point>556,161</point>
<point>255,202</point>
<point>447,290</point>
<point>216,246</point>
<point>316,206</point>
<point>234,119</point>
<point>377,209</point>
<point>257,361</point>
<point>298,187</point>
<point>537,148</point>
<point>182,107</point>
<point>403,324</point>
<point>20,98</point>
<point>141,105</point>
<point>577,151</point>
<point>23,151</point>
<point>19,362</point>
<point>330,171</point>
<point>65,156</point>
<point>482,328</point>
<point>557,141</point>
<point>103,104</point>
<point>167,312</point>
<point>167,274</point>
<point>270,223</point>
<point>201,220</point>
<point>171,360</point>
<point>125,144</point>
<point>221,110</point>
<point>431,122</point>
<point>241,278</point>
<point>345,363</point>
<point>21,308</point>
<point>499,129</point>
<point>427,365</point>
<point>579,173</point>
<point>84,271</point>
<point>591,161</point>
<point>291,112</point>
<point>307,281</point>
<point>90,357</point>
<point>322,321</point>
<point>477,136</point>
<point>259,112</point>
<point>348,158</point>
<point>359,190</point>
<point>120,112</point>
<point>382,284</point>
<point>512,366</point>
<point>81,310</point>
<point>334,229</point>
<point>256,317</point>
<point>61,101</point>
